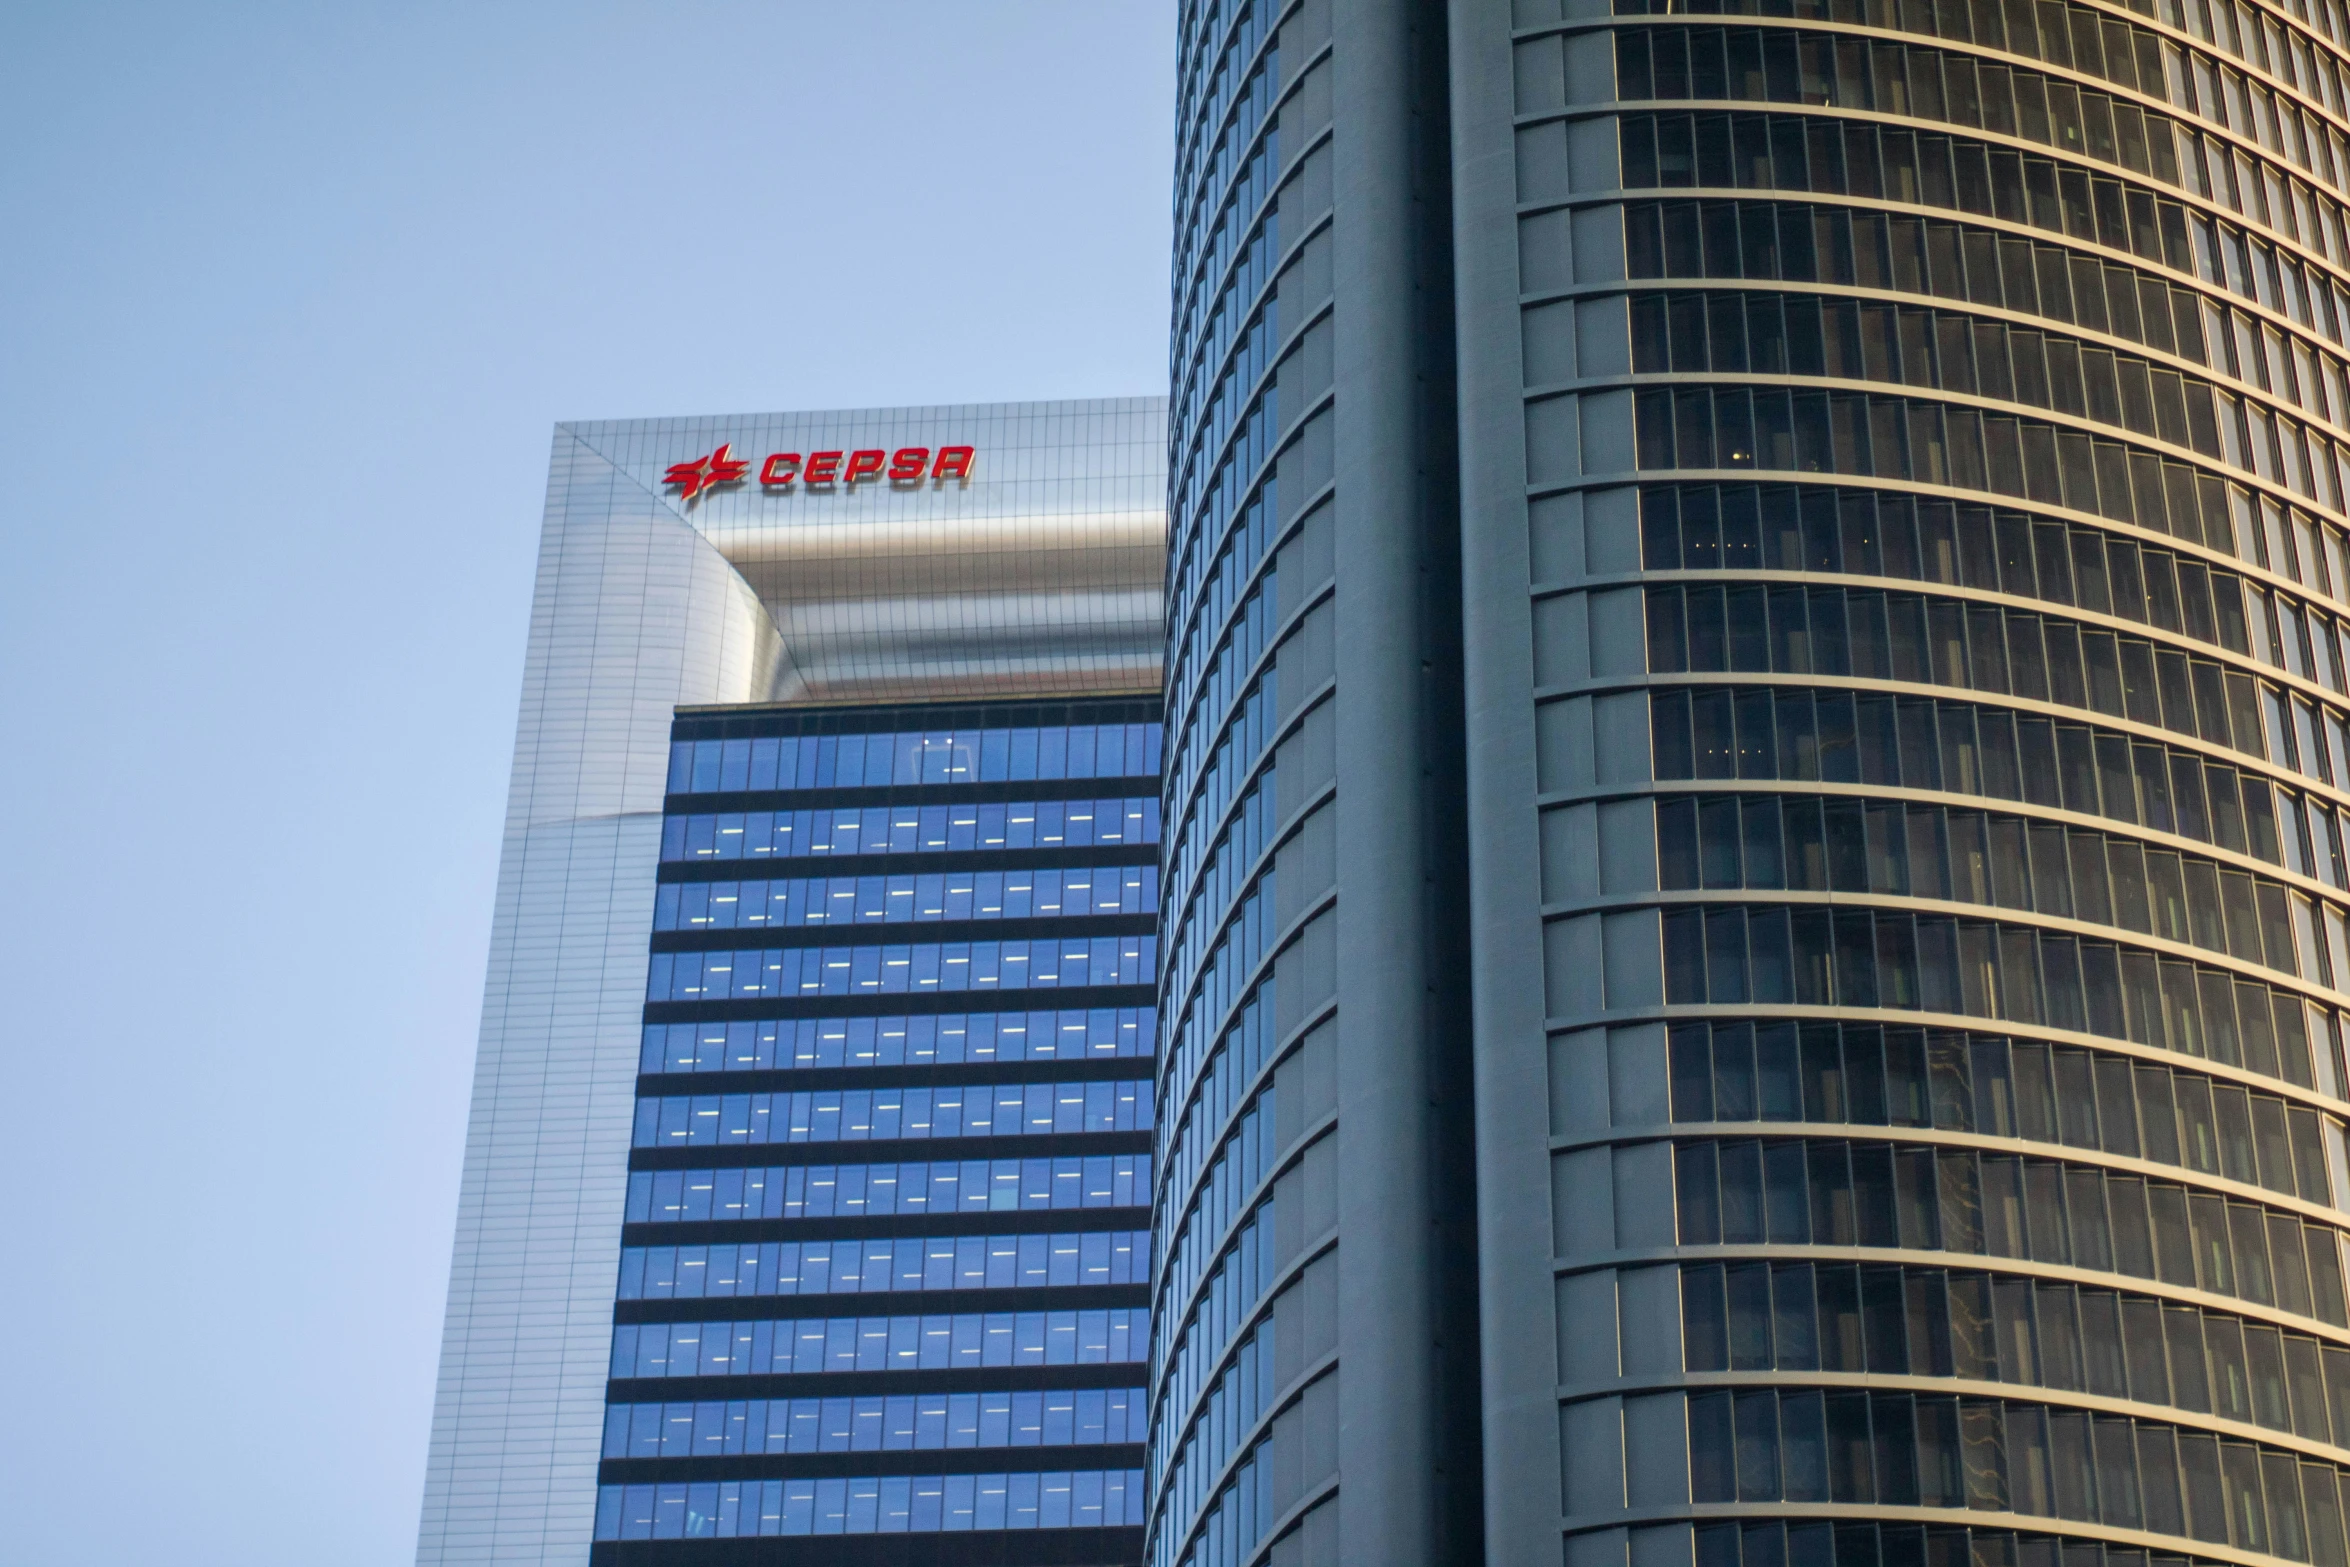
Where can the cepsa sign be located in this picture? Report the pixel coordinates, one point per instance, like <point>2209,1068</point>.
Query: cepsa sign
<point>820,470</point>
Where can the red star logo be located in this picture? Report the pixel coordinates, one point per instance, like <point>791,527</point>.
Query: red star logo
<point>703,473</point>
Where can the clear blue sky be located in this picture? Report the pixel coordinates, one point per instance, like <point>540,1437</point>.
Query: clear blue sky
<point>289,298</point>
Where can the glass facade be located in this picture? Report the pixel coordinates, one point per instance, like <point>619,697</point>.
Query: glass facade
<point>987,1379</point>
<point>1933,426</point>
<point>1214,1217</point>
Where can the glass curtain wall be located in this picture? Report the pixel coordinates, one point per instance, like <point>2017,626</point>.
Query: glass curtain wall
<point>886,1257</point>
<point>1937,421</point>
<point>1251,289</point>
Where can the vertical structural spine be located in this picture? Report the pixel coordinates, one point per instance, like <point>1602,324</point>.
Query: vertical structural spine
<point>1519,1360</point>
<point>1402,1191</point>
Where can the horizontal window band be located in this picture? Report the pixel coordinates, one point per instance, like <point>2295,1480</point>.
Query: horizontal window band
<point>968,1460</point>
<point>901,932</point>
<point>912,862</point>
<point>754,1009</point>
<point>1076,1069</point>
<point>1009,789</point>
<point>881,1303</point>
<point>729,721</point>
<point>924,1150</point>
<point>1116,1374</point>
<point>1070,1547</point>
<point>889,1226</point>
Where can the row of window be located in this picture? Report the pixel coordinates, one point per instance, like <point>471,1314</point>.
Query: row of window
<point>1926,851</point>
<point>1214,499</point>
<point>1227,676</point>
<point>1220,933</point>
<point>2255,36</point>
<point>1213,1201</point>
<point>1846,844</point>
<point>1925,1322</point>
<point>1800,735</point>
<point>900,1504</point>
<point>1220,353</point>
<point>1191,1360</point>
<point>1229,1075</point>
<point>1221,346</point>
<point>875,1423</point>
<point>1858,158</point>
<point>1834,1193</point>
<point>1218,357</point>
<point>844,1115</point>
<point>1859,958</point>
<point>1870,1076</point>
<point>1709,628</point>
<point>851,1267</point>
<point>1222,1076</point>
<point>924,1039</point>
<point>1222,174</point>
<point>1799,243</point>
<point>1770,1543</point>
<point>1198,911</point>
<point>2004,1456</point>
<point>1885,437</point>
<point>817,1191</point>
<point>1924,83</point>
<point>806,1346</point>
<point>1239,945</point>
<point>907,899</point>
<point>1239,355</point>
<point>1732,333</point>
<point>1227,585</point>
<point>1218,270</point>
<point>1196,1247</point>
<point>1779,528</point>
<point>1226,522</point>
<point>1240,1396</point>
<point>2073,36</point>
<point>902,760</point>
<point>1235,1524</point>
<point>936,967</point>
<point>1218,85</point>
<point>909,829</point>
<point>1790,154</point>
<point>1205,1398</point>
<point>1218,43</point>
<point>1227,769</point>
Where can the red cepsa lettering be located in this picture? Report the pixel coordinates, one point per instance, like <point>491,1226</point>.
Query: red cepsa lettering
<point>908,464</point>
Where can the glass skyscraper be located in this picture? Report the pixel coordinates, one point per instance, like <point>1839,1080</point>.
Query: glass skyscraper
<point>1755,897</point>
<point>805,1207</point>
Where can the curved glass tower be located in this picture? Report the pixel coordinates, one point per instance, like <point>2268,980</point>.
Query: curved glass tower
<point>1909,503</point>
<point>1313,1371</point>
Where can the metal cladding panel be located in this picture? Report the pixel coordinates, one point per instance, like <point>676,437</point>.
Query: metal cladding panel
<point>1038,576</point>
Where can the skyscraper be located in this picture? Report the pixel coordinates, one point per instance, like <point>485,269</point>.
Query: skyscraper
<point>806,1184</point>
<point>1755,700</point>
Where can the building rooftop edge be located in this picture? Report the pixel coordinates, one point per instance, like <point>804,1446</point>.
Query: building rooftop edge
<point>1125,402</point>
